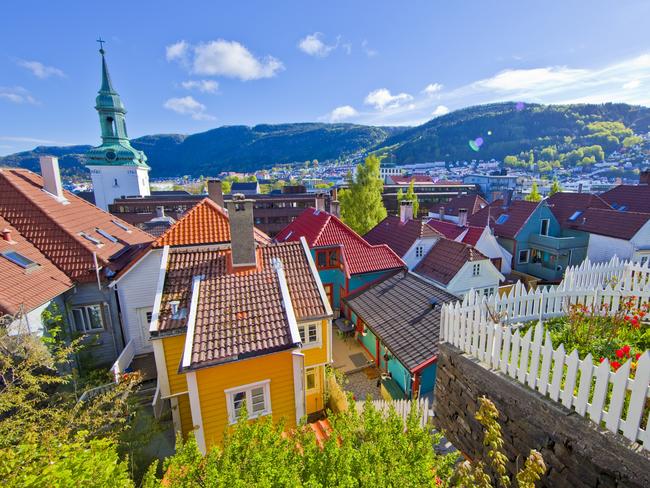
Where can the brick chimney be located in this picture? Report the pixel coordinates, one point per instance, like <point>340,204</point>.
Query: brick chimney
<point>507,198</point>
<point>6,235</point>
<point>215,192</point>
<point>405,211</point>
<point>644,177</point>
<point>462,217</point>
<point>51,176</point>
<point>335,208</point>
<point>242,231</point>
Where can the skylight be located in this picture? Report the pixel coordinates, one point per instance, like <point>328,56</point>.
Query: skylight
<point>91,238</point>
<point>622,208</point>
<point>575,215</point>
<point>502,219</point>
<point>105,234</point>
<point>121,225</point>
<point>19,259</point>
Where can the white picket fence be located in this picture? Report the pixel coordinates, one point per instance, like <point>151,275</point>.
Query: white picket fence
<point>480,326</point>
<point>123,361</point>
<point>403,408</point>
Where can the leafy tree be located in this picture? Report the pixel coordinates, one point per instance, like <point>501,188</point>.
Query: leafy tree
<point>534,195</point>
<point>361,204</point>
<point>555,187</point>
<point>48,437</point>
<point>409,196</point>
<point>632,141</point>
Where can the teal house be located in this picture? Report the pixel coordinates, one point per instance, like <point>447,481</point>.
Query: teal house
<point>398,323</point>
<point>531,232</point>
<point>345,261</point>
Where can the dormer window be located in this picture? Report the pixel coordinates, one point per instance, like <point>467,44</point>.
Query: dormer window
<point>476,269</point>
<point>173,305</point>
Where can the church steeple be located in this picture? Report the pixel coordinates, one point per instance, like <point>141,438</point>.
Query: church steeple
<point>116,167</point>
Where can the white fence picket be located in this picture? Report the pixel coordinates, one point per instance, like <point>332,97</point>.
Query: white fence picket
<point>638,397</point>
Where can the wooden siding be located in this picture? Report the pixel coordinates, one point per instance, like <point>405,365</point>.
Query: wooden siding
<point>314,401</point>
<point>186,414</point>
<point>212,383</point>
<point>173,352</point>
<point>318,355</point>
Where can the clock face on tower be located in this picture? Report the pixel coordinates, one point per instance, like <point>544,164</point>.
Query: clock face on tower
<point>111,156</point>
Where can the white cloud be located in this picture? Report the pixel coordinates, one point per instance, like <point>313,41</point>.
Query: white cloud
<point>39,70</point>
<point>366,49</point>
<point>432,88</point>
<point>177,51</point>
<point>233,60</point>
<point>526,79</point>
<point>440,110</point>
<point>17,94</point>
<point>188,106</point>
<point>32,140</point>
<point>631,85</point>
<point>314,46</point>
<point>204,86</point>
<point>342,113</point>
<point>382,99</point>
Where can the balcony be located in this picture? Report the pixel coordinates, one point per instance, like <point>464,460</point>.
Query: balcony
<point>541,271</point>
<point>550,243</point>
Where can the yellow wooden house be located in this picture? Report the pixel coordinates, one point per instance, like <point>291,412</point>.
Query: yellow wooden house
<point>236,323</point>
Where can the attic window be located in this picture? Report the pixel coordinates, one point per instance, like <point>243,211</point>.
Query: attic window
<point>20,260</point>
<point>91,238</point>
<point>105,234</point>
<point>173,305</point>
<point>121,225</point>
<point>503,218</point>
<point>575,215</point>
<point>622,208</point>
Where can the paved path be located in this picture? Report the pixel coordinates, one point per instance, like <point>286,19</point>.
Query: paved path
<point>361,386</point>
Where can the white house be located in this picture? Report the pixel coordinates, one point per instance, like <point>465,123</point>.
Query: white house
<point>458,268</point>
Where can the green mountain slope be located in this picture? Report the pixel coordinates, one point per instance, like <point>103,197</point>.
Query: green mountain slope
<point>229,148</point>
<point>507,129</point>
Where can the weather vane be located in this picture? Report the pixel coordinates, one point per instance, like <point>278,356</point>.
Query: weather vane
<point>101,44</point>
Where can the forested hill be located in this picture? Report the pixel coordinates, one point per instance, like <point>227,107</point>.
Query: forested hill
<point>229,148</point>
<point>510,128</point>
<point>503,129</point>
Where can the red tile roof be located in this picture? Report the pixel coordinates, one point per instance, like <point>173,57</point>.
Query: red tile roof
<point>205,223</point>
<point>469,234</point>
<point>322,229</point>
<point>406,180</point>
<point>58,229</point>
<point>473,235</point>
<point>564,205</point>
<point>636,198</point>
<point>445,260</point>
<point>472,203</point>
<point>518,214</point>
<point>23,289</point>
<point>399,236</point>
<point>611,223</point>
<point>212,263</point>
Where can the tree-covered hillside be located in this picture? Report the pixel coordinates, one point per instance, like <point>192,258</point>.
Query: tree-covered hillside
<point>510,129</point>
<point>229,148</point>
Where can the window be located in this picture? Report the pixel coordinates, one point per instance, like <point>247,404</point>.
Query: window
<point>20,260</point>
<point>115,182</point>
<point>419,251</point>
<point>575,215</point>
<point>644,260</point>
<point>523,256</point>
<point>544,227</point>
<point>311,382</point>
<point>256,397</point>
<point>327,259</point>
<point>92,239</point>
<point>105,234</point>
<point>476,269</point>
<point>309,333</point>
<point>502,219</point>
<point>88,318</point>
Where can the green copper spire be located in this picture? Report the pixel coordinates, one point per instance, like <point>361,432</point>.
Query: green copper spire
<point>116,149</point>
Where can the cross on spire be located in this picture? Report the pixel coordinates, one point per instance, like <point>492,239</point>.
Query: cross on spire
<point>101,44</point>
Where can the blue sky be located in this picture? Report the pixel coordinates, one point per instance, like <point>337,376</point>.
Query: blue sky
<point>190,66</point>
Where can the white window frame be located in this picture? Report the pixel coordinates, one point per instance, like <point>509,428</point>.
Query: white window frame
<point>523,261</point>
<point>541,226</point>
<point>476,269</point>
<point>303,330</point>
<point>315,371</point>
<point>248,390</point>
<point>86,318</point>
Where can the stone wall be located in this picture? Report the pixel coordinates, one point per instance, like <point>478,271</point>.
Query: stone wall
<point>576,451</point>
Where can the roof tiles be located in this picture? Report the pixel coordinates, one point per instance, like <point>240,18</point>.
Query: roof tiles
<point>398,235</point>
<point>518,213</point>
<point>445,260</point>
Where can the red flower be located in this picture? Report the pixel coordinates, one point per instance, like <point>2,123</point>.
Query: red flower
<point>626,350</point>
<point>602,359</point>
<point>626,318</point>
<point>637,356</point>
<point>619,353</point>
<point>615,365</point>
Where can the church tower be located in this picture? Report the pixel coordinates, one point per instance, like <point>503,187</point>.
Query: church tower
<point>116,168</point>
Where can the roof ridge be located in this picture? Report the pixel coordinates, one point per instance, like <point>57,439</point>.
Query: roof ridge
<point>158,241</point>
<point>322,228</point>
